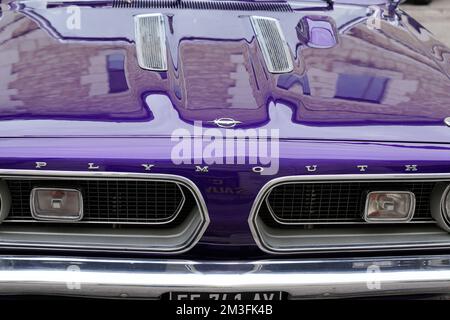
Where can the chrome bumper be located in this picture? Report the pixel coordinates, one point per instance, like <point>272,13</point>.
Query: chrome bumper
<point>151,278</point>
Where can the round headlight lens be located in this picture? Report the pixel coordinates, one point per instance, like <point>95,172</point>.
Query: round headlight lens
<point>440,205</point>
<point>447,204</point>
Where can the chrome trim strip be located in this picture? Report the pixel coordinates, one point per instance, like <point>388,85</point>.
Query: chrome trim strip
<point>98,222</point>
<point>90,175</point>
<point>5,200</point>
<point>313,278</point>
<point>429,177</point>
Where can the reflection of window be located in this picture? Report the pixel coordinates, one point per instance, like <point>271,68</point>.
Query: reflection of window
<point>361,87</point>
<point>116,73</point>
<point>287,81</point>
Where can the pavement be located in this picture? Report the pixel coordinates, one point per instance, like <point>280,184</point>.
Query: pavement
<point>435,17</point>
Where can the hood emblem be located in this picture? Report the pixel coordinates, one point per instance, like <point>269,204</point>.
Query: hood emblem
<point>226,123</point>
<point>447,121</point>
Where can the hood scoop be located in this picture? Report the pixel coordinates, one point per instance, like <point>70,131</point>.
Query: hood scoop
<point>150,37</point>
<point>273,44</point>
<point>204,5</point>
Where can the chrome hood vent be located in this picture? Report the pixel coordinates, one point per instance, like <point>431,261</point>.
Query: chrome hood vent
<point>204,5</point>
<point>150,38</point>
<point>273,44</point>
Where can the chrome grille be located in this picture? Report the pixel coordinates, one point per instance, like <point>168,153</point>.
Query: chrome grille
<point>151,42</point>
<point>338,202</point>
<point>108,201</point>
<point>273,44</point>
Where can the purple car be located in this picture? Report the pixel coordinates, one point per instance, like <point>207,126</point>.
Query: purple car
<point>222,149</point>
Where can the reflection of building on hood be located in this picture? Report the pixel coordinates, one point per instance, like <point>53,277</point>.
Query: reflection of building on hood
<point>51,72</point>
<point>367,78</point>
<point>63,79</point>
<point>225,67</point>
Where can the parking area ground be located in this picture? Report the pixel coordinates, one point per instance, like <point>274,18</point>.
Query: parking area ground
<point>435,17</point>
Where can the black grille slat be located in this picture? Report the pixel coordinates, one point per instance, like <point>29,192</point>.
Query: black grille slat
<point>339,201</point>
<point>109,201</point>
<point>204,5</point>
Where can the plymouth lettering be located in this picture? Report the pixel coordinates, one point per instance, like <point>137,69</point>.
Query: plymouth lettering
<point>362,168</point>
<point>40,165</point>
<point>92,166</point>
<point>411,167</point>
<point>148,167</point>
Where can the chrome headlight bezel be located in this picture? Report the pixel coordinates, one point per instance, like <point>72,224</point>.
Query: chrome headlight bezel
<point>5,200</point>
<point>445,204</point>
<point>407,218</point>
<point>439,210</point>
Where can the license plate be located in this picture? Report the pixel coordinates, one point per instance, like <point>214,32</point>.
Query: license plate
<point>249,296</point>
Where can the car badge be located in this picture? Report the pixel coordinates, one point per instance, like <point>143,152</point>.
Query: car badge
<point>447,121</point>
<point>226,123</point>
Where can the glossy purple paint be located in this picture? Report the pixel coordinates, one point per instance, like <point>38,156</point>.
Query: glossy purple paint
<point>56,85</point>
<point>59,105</point>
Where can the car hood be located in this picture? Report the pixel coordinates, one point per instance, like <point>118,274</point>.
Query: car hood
<point>72,71</point>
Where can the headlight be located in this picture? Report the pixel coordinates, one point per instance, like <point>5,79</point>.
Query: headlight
<point>440,205</point>
<point>389,206</point>
<point>53,204</point>
<point>446,204</point>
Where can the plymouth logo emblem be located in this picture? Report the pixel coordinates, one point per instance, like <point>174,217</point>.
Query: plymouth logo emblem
<point>226,123</point>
